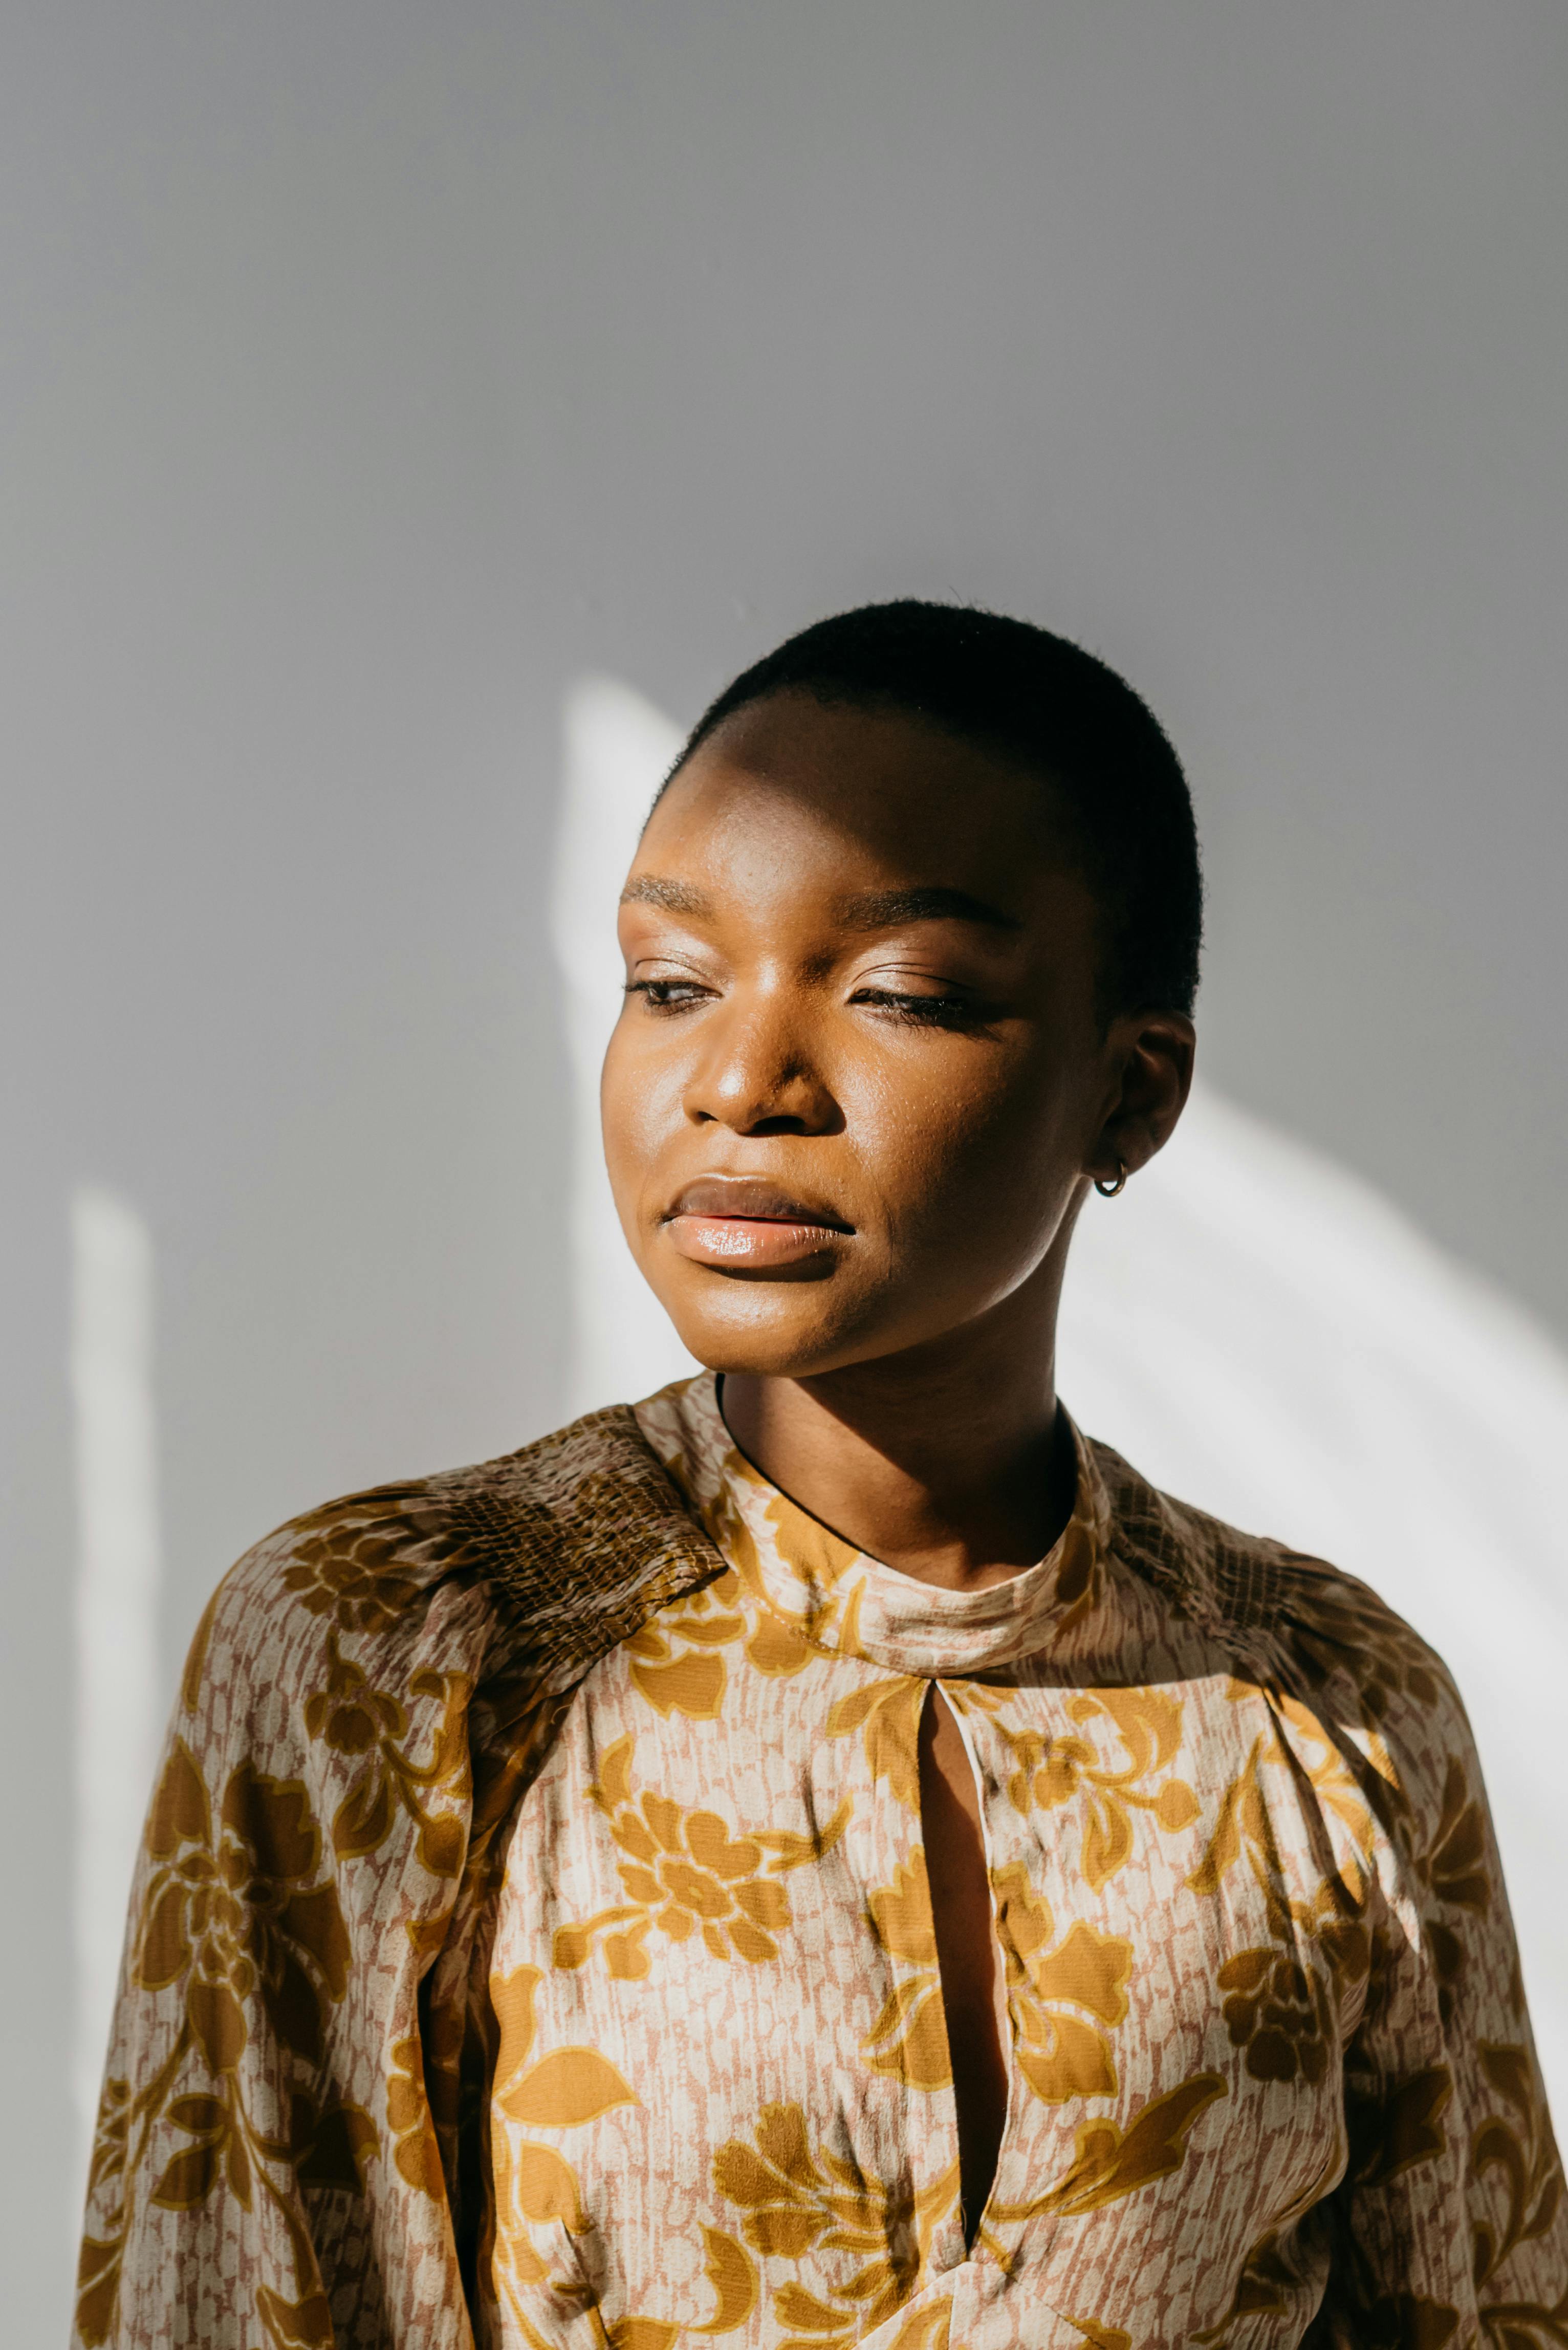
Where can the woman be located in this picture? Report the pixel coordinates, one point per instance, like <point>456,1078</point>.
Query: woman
<point>829,1857</point>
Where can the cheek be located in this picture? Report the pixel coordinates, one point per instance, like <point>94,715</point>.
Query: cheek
<point>640,1103</point>
<point>988,1135</point>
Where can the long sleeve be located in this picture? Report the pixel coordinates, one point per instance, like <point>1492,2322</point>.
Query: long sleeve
<point>293,2140</point>
<point>1451,2226</point>
<point>265,2163</point>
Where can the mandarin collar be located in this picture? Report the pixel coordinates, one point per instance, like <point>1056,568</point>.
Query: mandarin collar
<point>840,1600</point>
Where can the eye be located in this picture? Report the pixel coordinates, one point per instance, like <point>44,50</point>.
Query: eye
<point>667,994</point>
<point>919,1011</point>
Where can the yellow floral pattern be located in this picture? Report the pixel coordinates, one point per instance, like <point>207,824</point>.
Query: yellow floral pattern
<point>796,2201</point>
<point>909,2037</point>
<point>533,1941</point>
<point>234,1917</point>
<point>1065,1995</point>
<point>1107,1791</point>
<point>685,1873</point>
<point>536,2187</point>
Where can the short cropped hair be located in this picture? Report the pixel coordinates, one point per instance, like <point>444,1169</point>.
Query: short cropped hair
<point>1008,687</point>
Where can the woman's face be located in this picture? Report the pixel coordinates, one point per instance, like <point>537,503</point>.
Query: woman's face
<point>859,1085</point>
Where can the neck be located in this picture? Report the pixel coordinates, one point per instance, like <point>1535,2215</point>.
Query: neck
<point>950,1460</point>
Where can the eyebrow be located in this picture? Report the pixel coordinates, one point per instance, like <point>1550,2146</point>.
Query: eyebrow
<point>868,909</point>
<point>674,897</point>
<point>883,909</point>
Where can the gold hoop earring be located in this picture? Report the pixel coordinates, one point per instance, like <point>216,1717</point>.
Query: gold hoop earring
<point>1109,1191</point>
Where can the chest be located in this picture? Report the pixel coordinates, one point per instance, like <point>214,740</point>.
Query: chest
<point>735,2054</point>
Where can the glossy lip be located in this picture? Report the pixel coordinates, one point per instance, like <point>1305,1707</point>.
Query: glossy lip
<point>744,1222</point>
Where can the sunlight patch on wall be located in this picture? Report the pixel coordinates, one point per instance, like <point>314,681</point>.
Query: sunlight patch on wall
<point>116,1609</point>
<point>1267,1336</point>
<point>617,750</point>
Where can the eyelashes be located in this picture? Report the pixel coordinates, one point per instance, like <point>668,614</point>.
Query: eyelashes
<point>921,1010</point>
<point>669,996</point>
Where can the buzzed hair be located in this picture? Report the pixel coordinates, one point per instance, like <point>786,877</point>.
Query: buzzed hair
<point>1015,690</point>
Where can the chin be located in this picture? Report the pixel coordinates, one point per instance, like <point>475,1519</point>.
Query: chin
<point>762,1332</point>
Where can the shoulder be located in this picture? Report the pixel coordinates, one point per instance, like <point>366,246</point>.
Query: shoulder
<point>544,1552</point>
<point>1299,1623</point>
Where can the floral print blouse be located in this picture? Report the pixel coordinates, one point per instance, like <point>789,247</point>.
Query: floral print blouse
<point>531,1944</point>
<point>723,2104</point>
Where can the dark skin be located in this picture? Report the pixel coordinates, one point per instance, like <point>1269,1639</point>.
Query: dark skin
<point>852,1109</point>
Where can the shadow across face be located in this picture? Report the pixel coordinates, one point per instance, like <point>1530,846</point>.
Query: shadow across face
<point>860,1080</point>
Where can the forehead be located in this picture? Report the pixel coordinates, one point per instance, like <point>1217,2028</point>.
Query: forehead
<point>858,792</point>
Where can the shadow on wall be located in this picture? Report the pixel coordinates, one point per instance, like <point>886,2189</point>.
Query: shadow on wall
<point>1259,1331</point>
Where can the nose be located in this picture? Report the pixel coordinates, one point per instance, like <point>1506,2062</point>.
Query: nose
<point>756,1071</point>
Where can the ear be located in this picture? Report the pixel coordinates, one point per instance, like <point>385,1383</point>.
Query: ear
<point>1150,1058</point>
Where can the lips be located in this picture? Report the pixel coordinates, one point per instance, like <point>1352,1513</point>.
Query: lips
<point>740,1223</point>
